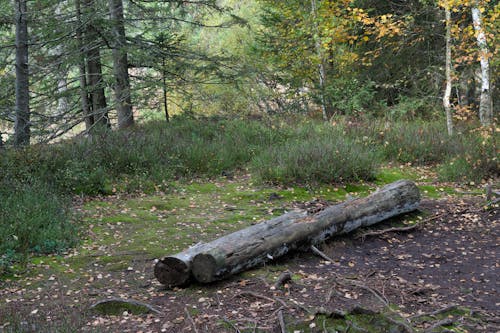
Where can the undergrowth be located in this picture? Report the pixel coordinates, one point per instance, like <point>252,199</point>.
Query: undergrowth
<point>35,180</point>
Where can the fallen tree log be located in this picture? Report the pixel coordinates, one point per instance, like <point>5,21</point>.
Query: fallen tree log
<point>262,242</point>
<point>175,270</point>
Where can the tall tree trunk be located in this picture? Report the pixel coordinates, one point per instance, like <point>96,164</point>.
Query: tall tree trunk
<point>94,68</point>
<point>120,66</point>
<point>164,83</point>
<point>447,90</point>
<point>321,64</point>
<point>22,124</point>
<point>485,104</point>
<point>84,96</point>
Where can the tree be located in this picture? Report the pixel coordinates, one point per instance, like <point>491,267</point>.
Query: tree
<point>447,91</point>
<point>120,65</point>
<point>82,70</point>
<point>22,123</point>
<point>94,66</point>
<point>486,104</point>
<point>321,60</point>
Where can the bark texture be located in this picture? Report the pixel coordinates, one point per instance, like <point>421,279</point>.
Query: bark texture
<point>94,68</point>
<point>120,66</point>
<point>265,241</point>
<point>84,96</point>
<point>485,104</point>
<point>22,124</point>
<point>447,90</point>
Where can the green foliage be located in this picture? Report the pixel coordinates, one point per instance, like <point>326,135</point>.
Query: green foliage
<point>35,180</point>
<point>351,97</point>
<point>32,220</point>
<point>320,154</point>
<point>477,161</point>
<point>417,142</point>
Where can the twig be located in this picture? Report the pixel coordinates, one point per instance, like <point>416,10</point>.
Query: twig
<point>227,321</point>
<point>375,293</point>
<point>385,231</point>
<point>448,308</point>
<point>281,321</point>
<point>191,320</point>
<point>321,254</point>
<point>443,322</point>
<point>399,229</point>
<point>256,295</point>
<point>284,277</point>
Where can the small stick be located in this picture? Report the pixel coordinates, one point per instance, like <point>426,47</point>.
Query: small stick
<point>256,295</point>
<point>191,320</point>
<point>443,322</point>
<point>396,229</point>
<point>282,321</point>
<point>437,312</point>
<point>321,254</point>
<point>385,231</point>
<point>284,277</point>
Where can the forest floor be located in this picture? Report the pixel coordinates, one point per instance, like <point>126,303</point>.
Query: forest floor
<point>438,277</point>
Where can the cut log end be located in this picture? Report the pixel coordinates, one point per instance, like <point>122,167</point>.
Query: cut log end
<point>172,272</point>
<point>204,268</point>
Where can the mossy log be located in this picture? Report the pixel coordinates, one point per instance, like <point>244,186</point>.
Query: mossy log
<point>262,242</point>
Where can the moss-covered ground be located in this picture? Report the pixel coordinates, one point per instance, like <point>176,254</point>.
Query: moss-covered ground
<point>124,234</point>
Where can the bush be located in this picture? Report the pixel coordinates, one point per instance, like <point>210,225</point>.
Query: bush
<point>325,156</point>
<point>418,142</point>
<point>32,220</point>
<point>477,161</point>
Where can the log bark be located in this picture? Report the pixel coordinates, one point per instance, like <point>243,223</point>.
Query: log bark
<point>265,241</point>
<point>259,243</point>
<point>175,270</point>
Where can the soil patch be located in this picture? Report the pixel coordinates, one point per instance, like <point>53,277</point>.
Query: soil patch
<point>448,265</point>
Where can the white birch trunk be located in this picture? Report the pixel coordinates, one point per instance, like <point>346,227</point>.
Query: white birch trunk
<point>447,90</point>
<point>485,106</point>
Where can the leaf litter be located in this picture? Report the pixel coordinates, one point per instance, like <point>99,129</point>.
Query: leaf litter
<point>440,275</point>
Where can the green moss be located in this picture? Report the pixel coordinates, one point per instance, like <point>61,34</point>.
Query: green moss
<point>116,307</point>
<point>434,192</point>
<point>390,175</point>
<point>201,188</point>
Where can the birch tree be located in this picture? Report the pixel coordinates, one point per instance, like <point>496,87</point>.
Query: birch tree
<point>447,90</point>
<point>485,104</point>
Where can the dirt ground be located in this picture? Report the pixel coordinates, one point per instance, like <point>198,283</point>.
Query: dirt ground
<point>439,277</point>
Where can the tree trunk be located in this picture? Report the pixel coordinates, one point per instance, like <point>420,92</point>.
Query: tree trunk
<point>164,87</point>
<point>94,68</point>
<point>485,104</point>
<point>22,124</point>
<point>447,90</point>
<point>262,242</point>
<point>120,66</point>
<point>321,64</point>
<point>84,96</point>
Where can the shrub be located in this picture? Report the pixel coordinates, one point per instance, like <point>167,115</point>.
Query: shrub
<point>32,220</point>
<point>418,142</point>
<point>477,161</point>
<point>328,156</point>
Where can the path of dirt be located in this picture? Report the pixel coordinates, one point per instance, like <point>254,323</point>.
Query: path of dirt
<point>452,259</point>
